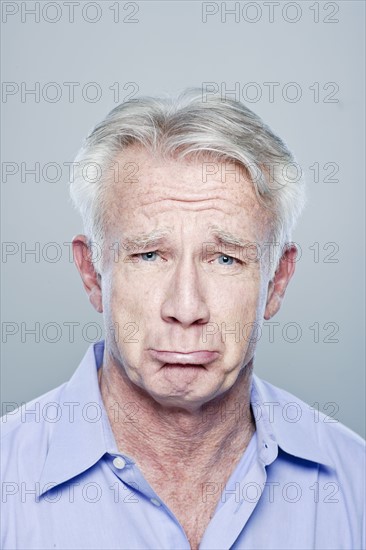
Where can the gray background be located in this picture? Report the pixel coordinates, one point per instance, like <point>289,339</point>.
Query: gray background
<point>167,48</point>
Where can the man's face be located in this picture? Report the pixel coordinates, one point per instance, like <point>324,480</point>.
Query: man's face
<point>185,305</point>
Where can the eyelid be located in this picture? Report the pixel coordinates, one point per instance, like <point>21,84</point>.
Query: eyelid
<point>232,257</point>
<point>144,252</point>
<point>160,253</point>
<point>219,255</point>
<point>147,252</point>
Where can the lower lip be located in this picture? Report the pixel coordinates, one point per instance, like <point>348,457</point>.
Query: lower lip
<point>196,358</point>
<point>183,366</point>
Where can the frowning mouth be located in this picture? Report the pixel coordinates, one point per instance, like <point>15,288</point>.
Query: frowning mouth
<point>183,365</point>
<point>197,358</point>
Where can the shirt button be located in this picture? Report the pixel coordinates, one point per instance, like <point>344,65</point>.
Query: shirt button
<point>119,463</point>
<point>155,502</point>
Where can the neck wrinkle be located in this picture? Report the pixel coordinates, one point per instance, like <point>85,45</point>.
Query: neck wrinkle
<point>177,438</point>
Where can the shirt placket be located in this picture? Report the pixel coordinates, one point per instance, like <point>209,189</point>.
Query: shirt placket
<point>131,476</point>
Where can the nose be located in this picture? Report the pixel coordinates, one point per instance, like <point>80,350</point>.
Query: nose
<point>184,302</point>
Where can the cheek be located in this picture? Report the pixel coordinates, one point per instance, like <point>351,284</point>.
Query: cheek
<point>130,303</point>
<point>235,315</point>
<point>236,300</point>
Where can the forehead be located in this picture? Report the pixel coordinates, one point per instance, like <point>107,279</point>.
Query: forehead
<point>150,190</point>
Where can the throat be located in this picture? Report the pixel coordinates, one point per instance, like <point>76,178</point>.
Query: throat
<point>175,439</point>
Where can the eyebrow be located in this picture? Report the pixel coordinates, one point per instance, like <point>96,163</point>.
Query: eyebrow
<point>145,240</point>
<point>157,236</point>
<point>226,238</point>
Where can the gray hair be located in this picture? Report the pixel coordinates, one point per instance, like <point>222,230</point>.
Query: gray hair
<point>192,125</point>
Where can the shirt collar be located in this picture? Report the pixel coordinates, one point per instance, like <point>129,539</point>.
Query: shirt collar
<point>83,433</point>
<point>284,421</point>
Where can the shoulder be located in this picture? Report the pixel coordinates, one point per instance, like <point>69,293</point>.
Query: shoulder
<point>32,415</point>
<point>26,431</point>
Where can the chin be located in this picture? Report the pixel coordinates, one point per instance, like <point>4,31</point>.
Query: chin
<point>189,404</point>
<point>183,397</point>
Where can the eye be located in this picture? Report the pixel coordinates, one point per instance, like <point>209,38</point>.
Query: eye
<point>226,260</point>
<point>148,256</point>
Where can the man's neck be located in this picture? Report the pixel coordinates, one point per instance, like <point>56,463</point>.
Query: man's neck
<point>173,437</point>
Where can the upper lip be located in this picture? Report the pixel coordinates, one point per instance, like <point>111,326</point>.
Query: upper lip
<point>195,357</point>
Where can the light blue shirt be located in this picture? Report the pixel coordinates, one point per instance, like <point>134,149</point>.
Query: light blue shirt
<point>299,484</point>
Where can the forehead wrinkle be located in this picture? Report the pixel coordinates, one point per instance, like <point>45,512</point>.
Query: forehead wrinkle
<point>221,204</point>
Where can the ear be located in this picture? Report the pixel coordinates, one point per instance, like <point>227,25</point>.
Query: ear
<point>277,286</point>
<point>90,278</point>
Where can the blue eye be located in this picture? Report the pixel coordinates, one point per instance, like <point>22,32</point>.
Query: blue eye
<point>226,260</point>
<point>149,256</point>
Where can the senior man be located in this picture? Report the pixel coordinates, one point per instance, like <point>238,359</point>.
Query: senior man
<point>163,437</point>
